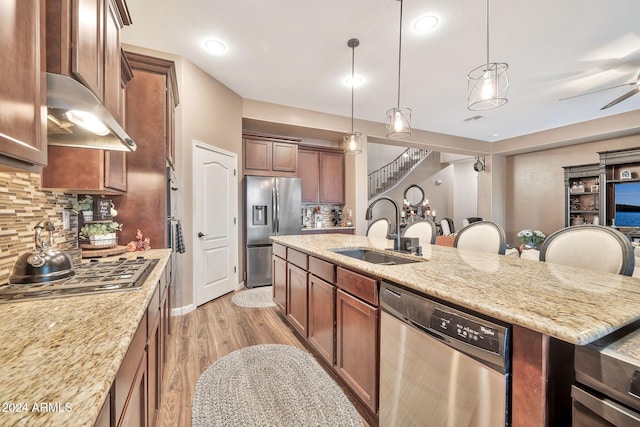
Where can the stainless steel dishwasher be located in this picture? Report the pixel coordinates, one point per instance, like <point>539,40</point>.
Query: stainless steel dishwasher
<point>441,366</point>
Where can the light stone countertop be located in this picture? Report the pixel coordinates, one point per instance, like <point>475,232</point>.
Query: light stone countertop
<point>568,303</point>
<point>67,351</point>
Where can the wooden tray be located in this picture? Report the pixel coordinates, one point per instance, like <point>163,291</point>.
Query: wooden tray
<point>97,253</point>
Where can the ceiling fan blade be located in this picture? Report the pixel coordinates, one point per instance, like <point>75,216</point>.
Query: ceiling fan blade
<point>600,90</point>
<point>622,98</point>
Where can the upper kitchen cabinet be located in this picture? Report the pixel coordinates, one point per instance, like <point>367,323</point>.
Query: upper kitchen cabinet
<point>151,99</point>
<point>269,156</point>
<point>83,41</point>
<point>322,174</point>
<point>23,112</point>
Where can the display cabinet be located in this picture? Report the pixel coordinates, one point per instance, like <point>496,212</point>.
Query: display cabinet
<point>582,194</point>
<point>619,169</point>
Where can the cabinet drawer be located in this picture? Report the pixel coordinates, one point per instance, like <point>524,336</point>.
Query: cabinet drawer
<point>358,285</point>
<point>280,250</point>
<point>298,258</point>
<point>322,269</point>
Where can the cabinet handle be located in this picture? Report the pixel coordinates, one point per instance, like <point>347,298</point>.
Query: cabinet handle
<point>200,234</point>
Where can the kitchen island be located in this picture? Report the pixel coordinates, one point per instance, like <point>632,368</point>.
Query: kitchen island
<point>60,356</point>
<point>551,308</point>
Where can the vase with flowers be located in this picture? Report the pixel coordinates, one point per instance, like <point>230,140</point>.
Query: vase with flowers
<point>530,238</point>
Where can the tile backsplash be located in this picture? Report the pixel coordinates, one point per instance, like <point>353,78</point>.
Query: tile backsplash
<point>22,205</point>
<point>308,215</point>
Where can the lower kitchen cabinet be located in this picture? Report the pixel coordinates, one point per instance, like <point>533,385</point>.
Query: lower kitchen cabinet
<point>357,346</point>
<point>297,294</point>
<point>280,283</point>
<point>322,304</point>
<point>137,391</point>
<point>104,417</point>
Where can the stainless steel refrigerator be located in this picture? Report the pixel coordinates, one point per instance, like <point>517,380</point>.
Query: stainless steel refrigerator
<point>272,208</point>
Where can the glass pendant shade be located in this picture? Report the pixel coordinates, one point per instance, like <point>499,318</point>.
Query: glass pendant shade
<point>352,143</point>
<point>488,86</point>
<point>398,122</point>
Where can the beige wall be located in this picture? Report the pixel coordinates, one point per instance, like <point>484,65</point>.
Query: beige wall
<point>535,183</point>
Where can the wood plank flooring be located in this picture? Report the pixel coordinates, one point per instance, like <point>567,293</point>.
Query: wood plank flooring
<point>203,336</point>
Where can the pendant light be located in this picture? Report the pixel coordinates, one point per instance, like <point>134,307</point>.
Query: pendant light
<point>488,83</point>
<point>399,118</point>
<point>352,142</point>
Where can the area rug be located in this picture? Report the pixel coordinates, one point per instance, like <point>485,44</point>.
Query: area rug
<point>270,385</point>
<point>255,298</point>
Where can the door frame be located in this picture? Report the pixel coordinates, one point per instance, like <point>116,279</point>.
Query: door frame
<point>236,236</point>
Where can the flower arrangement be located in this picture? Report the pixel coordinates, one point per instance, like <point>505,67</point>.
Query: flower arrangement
<point>531,238</point>
<point>142,244</point>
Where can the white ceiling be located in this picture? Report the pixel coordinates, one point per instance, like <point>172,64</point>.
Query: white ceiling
<point>294,53</point>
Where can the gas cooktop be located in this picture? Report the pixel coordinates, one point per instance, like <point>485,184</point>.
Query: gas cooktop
<point>92,277</point>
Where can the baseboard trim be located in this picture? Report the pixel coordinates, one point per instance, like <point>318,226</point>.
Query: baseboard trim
<point>180,311</point>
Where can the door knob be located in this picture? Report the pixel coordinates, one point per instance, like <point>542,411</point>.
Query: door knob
<point>201,234</point>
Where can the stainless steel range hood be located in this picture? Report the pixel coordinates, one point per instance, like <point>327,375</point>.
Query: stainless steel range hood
<point>64,94</point>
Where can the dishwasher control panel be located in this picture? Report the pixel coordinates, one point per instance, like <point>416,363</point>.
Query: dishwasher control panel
<point>465,330</point>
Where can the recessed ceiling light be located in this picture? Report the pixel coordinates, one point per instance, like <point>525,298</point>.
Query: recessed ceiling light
<point>215,47</point>
<point>357,81</point>
<point>425,24</point>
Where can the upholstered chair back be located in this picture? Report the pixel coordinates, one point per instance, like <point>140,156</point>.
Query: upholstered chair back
<point>424,230</point>
<point>593,247</point>
<point>379,228</point>
<point>482,236</point>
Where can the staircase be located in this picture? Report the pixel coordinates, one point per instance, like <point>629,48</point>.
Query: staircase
<point>392,173</point>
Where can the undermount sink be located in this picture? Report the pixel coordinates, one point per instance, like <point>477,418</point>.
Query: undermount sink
<point>375,257</point>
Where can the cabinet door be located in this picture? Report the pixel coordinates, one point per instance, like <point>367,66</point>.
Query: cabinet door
<point>135,410</point>
<point>332,178</point>
<point>87,35</point>
<point>257,154</point>
<point>153,372</point>
<point>280,283</point>
<point>357,346</point>
<point>285,157</point>
<point>23,111</point>
<point>112,87</point>
<point>322,305</point>
<point>309,173</point>
<point>104,417</point>
<point>297,292</point>
<point>115,170</point>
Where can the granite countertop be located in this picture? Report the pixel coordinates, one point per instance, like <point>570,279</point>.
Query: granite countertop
<point>66,351</point>
<point>568,303</point>
<point>328,227</point>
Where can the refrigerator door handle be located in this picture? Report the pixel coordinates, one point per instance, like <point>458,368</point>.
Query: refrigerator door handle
<point>273,210</point>
<point>277,210</point>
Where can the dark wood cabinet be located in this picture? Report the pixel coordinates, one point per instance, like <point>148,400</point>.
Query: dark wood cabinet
<point>269,157</point>
<point>83,42</point>
<point>322,175</point>
<point>149,116</point>
<point>321,317</point>
<point>309,173</point>
<point>332,178</point>
<point>297,296</point>
<point>127,388</point>
<point>280,283</point>
<point>23,138</point>
<point>357,346</point>
<point>135,410</point>
<point>104,417</point>
<point>85,171</point>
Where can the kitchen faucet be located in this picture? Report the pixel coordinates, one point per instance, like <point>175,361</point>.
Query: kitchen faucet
<point>369,216</point>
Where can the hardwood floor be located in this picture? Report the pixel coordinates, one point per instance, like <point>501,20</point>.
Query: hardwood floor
<point>203,336</point>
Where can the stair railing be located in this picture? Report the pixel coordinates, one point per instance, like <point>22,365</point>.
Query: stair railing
<point>389,175</point>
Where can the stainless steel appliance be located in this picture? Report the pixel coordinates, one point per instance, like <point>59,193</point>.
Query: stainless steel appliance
<point>90,278</point>
<point>273,207</point>
<point>607,392</point>
<point>441,366</point>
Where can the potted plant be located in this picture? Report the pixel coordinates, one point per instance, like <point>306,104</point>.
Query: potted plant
<point>84,205</point>
<point>100,234</point>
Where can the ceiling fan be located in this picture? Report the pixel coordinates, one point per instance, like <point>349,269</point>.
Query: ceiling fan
<point>617,100</point>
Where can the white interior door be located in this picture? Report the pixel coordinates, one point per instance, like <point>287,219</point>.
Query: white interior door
<point>215,222</point>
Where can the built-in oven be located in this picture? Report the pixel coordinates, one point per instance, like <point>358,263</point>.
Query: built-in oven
<point>607,388</point>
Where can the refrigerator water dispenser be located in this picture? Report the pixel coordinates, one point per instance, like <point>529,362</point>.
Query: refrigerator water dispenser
<point>259,215</point>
